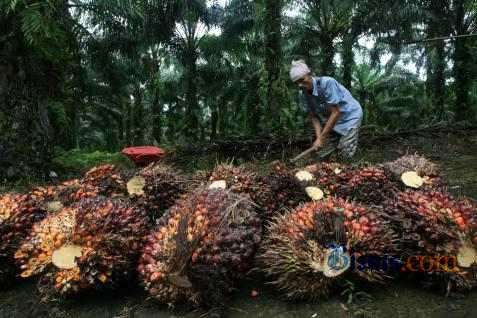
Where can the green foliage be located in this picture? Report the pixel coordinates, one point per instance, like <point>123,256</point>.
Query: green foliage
<point>101,75</point>
<point>75,161</point>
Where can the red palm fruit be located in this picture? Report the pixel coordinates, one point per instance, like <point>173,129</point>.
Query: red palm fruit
<point>93,244</point>
<point>207,242</point>
<point>432,223</point>
<point>295,255</point>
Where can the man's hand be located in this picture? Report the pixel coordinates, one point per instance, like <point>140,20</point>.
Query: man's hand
<point>318,143</point>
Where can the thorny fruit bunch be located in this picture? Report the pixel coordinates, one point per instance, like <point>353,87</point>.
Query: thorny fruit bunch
<point>103,180</point>
<point>280,191</point>
<point>238,179</point>
<point>328,175</point>
<point>425,222</point>
<point>425,168</point>
<point>163,185</point>
<point>18,213</point>
<point>294,253</point>
<point>368,185</point>
<point>204,243</point>
<point>420,164</point>
<point>107,232</point>
<point>432,223</point>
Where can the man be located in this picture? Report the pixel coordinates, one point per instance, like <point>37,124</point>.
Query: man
<point>330,104</point>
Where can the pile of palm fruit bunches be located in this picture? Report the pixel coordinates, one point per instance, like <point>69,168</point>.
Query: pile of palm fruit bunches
<point>194,238</point>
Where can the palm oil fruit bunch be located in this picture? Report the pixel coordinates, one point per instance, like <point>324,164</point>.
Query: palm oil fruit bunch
<point>328,175</point>
<point>241,180</point>
<point>201,246</point>
<point>425,223</point>
<point>281,190</point>
<point>54,198</point>
<point>368,185</point>
<point>436,236</point>
<point>156,187</point>
<point>103,180</point>
<point>18,213</point>
<point>311,250</point>
<point>93,244</point>
<point>416,172</point>
<point>463,212</point>
<point>237,179</point>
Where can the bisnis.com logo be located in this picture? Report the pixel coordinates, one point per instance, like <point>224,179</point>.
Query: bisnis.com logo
<point>340,259</point>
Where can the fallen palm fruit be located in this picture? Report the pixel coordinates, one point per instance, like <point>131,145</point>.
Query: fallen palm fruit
<point>308,252</point>
<point>200,248</point>
<point>93,244</point>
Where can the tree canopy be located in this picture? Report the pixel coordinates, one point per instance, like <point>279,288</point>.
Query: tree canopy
<point>100,74</point>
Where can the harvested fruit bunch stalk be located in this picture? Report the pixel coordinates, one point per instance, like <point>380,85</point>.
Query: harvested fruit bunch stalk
<point>426,169</point>
<point>204,244</point>
<point>103,180</point>
<point>18,213</point>
<point>93,244</point>
<point>280,191</point>
<point>156,188</point>
<point>432,224</point>
<point>307,252</point>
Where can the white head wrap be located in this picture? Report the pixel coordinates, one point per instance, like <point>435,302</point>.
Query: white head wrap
<point>298,70</point>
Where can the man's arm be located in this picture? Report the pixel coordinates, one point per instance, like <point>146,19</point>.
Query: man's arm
<point>316,123</point>
<point>330,123</point>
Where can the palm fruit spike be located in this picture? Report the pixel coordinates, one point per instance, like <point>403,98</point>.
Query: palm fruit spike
<point>103,180</point>
<point>432,224</point>
<point>203,244</point>
<point>295,254</point>
<point>427,170</point>
<point>280,190</point>
<point>18,213</point>
<point>93,244</point>
<point>156,188</point>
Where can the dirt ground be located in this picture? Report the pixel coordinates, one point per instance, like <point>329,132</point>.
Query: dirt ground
<point>457,154</point>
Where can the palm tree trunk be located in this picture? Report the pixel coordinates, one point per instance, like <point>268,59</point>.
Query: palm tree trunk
<point>138,118</point>
<point>156,117</point>
<point>462,58</point>
<point>192,105</point>
<point>348,60</point>
<point>328,52</point>
<point>273,60</point>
